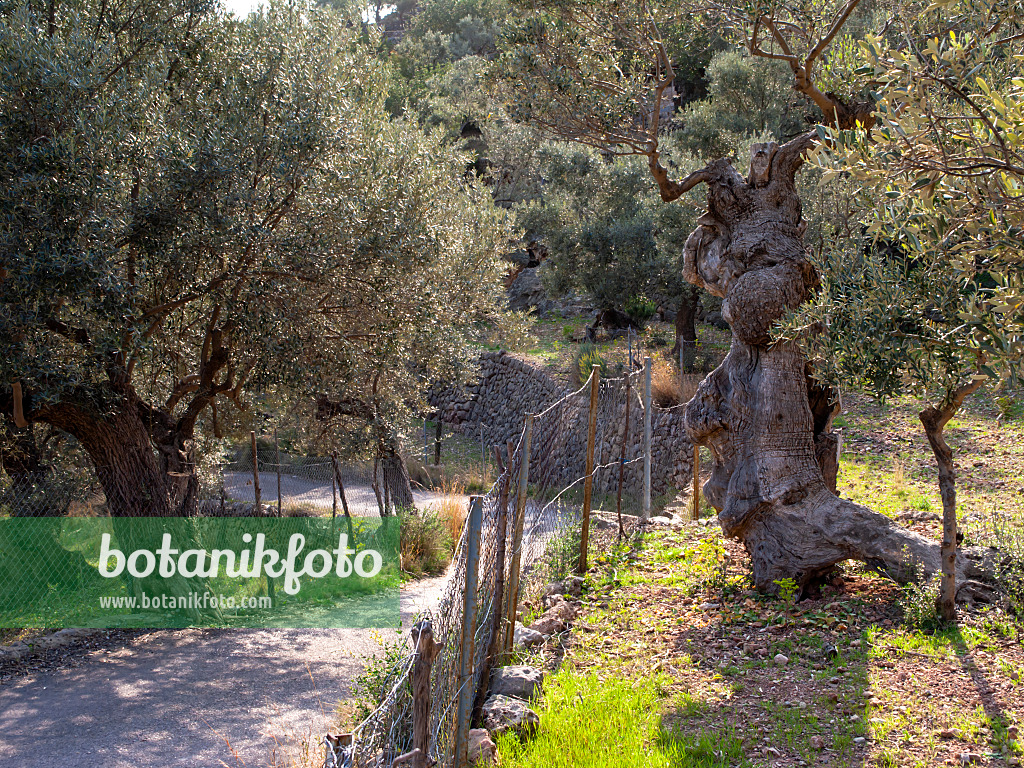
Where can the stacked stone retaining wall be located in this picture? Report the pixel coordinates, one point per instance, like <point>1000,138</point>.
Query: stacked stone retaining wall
<point>506,389</point>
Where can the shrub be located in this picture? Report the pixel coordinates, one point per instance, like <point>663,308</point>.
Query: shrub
<point>426,546</point>
<point>587,356</point>
<point>917,603</point>
<point>380,675</point>
<point>640,308</point>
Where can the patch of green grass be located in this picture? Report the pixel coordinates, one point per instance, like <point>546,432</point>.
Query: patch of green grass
<point>586,722</point>
<point>882,487</point>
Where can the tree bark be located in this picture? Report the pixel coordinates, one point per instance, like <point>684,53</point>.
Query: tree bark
<point>396,476</point>
<point>934,420</point>
<point>754,412</point>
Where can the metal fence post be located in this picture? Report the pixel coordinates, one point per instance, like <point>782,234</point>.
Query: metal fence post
<point>256,494</point>
<point>512,603</point>
<point>647,439</point>
<point>468,650</point>
<point>277,458</point>
<point>588,483</point>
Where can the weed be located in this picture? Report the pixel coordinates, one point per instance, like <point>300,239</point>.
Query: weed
<point>787,591</point>
<point>381,673</point>
<point>451,508</point>
<point>917,602</point>
<point>587,356</point>
<point>582,716</point>
<point>666,387</point>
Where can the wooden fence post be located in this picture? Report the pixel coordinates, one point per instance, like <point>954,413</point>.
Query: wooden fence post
<point>341,492</point>
<point>512,603</point>
<point>277,458</point>
<point>334,492</point>
<point>646,515</point>
<point>588,483</point>
<point>622,460</point>
<point>467,651</point>
<point>696,482</point>
<point>494,650</point>
<point>426,651</point>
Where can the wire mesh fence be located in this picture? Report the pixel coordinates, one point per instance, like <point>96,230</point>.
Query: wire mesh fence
<point>525,532</point>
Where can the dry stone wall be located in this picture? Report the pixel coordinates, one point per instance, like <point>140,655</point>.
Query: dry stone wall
<point>506,389</point>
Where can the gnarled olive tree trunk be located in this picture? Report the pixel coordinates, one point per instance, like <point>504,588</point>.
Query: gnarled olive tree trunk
<point>766,423</point>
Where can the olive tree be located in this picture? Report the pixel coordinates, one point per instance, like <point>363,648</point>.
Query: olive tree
<point>940,311</point>
<point>199,208</point>
<point>597,73</point>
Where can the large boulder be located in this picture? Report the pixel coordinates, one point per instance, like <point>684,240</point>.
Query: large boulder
<point>503,713</point>
<point>519,682</point>
<point>526,290</point>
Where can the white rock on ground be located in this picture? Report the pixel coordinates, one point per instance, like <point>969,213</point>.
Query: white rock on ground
<point>518,682</point>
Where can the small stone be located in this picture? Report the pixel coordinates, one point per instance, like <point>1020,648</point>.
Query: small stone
<point>967,758</point>
<point>709,606</point>
<point>858,740</point>
<point>526,638</point>
<point>854,718</point>
<point>817,742</point>
<point>781,659</point>
<point>855,643</point>
<point>482,750</point>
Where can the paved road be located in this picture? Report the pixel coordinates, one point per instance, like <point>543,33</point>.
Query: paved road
<point>316,493</point>
<point>176,698</point>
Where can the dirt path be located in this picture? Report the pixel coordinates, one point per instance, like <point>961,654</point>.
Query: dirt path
<point>173,698</point>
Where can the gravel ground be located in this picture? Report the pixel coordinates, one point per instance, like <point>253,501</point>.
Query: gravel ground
<point>198,698</point>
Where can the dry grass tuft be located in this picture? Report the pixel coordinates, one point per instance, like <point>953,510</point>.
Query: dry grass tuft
<point>451,508</point>
<point>665,387</point>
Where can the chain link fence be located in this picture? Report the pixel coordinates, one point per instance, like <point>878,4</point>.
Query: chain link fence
<point>548,547</point>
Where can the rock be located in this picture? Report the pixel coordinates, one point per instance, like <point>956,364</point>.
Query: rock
<point>661,520</point>
<point>526,290</point>
<point>597,522</point>
<point>951,733</point>
<point>502,713</point>
<point>526,638</point>
<point>481,748</point>
<point>781,659</point>
<point>967,758</point>
<point>517,682</point>
<point>709,606</point>
<point>716,319</point>
<point>572,586</point>
<point>858,740</point>
<point>817,742</point>
<point>548,625</point>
